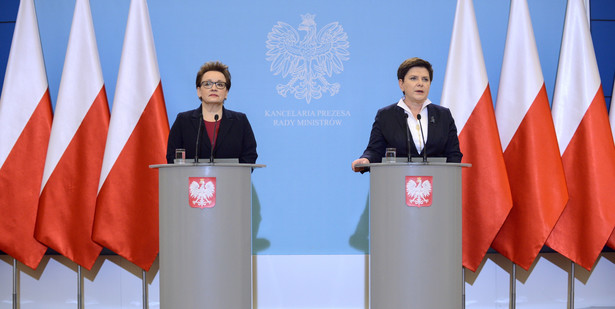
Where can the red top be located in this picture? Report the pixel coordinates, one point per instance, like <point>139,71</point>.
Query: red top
<point>209,126</point>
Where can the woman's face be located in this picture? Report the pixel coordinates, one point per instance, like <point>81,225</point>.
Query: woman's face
<point>213,94</point>
<point>416,85</point>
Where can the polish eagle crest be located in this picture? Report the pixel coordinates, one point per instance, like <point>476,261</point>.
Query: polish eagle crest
<point>418,191</point>
<point>202,193</point>
<point>308,61</point>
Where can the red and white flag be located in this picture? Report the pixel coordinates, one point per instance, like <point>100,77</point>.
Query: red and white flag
<point>586,144</point>
<point>127,209</point>
<point>76,147</point>
<point>531,153</point>
<point>486,194</point>
<point>25,122</point>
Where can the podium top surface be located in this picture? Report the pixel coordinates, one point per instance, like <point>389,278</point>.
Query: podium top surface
<point>414,164</point>
<point>192,164</point>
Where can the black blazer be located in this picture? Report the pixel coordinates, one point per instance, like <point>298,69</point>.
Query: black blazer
<point>389,130</point>
<point>235,137</point>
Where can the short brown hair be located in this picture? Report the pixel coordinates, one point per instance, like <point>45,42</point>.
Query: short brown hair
<point>214,66</point>
<point>405,66</point>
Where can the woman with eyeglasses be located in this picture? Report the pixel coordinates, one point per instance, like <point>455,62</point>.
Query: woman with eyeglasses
<point>412,122</point>
<point>211,123</point>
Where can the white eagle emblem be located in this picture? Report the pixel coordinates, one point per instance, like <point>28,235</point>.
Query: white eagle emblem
<point>309,60</point>
<point>418,191</point>
<point>202,193</point>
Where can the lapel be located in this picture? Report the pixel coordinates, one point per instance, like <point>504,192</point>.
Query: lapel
<point>403,126</point>
<point>225,127</point>
<point>401,119</point>
<point>431,125</point>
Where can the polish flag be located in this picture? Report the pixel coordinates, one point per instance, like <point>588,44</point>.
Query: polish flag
<point>126,218</point>
<point>76,147</point>
<point>531,153</point>
<point>486,193</point>
<point>25,122</point>
<point>586,145</point>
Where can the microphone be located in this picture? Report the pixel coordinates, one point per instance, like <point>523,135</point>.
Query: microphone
<point>418,117</point>
<point>198,137</point>
<point>211,155</point>
<point>408,137</point>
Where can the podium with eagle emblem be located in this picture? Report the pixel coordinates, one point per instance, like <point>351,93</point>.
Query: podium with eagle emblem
<point>415,235</point>
<point>205,218</point>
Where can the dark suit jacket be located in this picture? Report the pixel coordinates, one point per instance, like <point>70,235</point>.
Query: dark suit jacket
<point>389,127</point>
<point>235,137</point>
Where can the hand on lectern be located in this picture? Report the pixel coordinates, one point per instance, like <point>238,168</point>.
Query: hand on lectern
<point>359,161</point>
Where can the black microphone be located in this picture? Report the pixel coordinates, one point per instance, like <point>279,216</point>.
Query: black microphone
<point>198,137</point>
<point>408,137</point>
<point>418,117</point>
<point>211,156</point>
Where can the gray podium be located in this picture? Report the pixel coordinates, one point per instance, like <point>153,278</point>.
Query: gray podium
<point>205,252</point>
<point>415,251</point>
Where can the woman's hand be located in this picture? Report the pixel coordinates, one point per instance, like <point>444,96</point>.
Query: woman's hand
<point>359,161</point>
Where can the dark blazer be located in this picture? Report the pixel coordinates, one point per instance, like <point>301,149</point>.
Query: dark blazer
<point>235,137</point>
<point>389,127</point>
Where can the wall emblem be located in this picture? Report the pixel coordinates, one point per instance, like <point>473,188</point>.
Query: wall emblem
<point>307,61</point>
<point>202,192</point>
<point>419,191</point>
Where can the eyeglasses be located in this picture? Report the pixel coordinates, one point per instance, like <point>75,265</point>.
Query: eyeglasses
<point>209,84</point>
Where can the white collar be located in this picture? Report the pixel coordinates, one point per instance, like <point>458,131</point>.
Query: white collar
<point>403,105</point>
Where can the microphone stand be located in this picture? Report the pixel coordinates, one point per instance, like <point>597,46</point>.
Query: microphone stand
<point>215,139</point>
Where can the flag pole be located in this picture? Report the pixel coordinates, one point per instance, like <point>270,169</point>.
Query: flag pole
<point>463,287</point>
<point>79,288</point>
<point>571,286</point>
<point>14,283</point>
<point>513,287</point>
<point>145,297</point>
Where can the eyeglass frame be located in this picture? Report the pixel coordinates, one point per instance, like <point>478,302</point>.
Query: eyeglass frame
<point>219,85</point>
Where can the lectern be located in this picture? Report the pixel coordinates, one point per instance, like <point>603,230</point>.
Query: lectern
<point>415,235</point>
<point>205,235</point>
